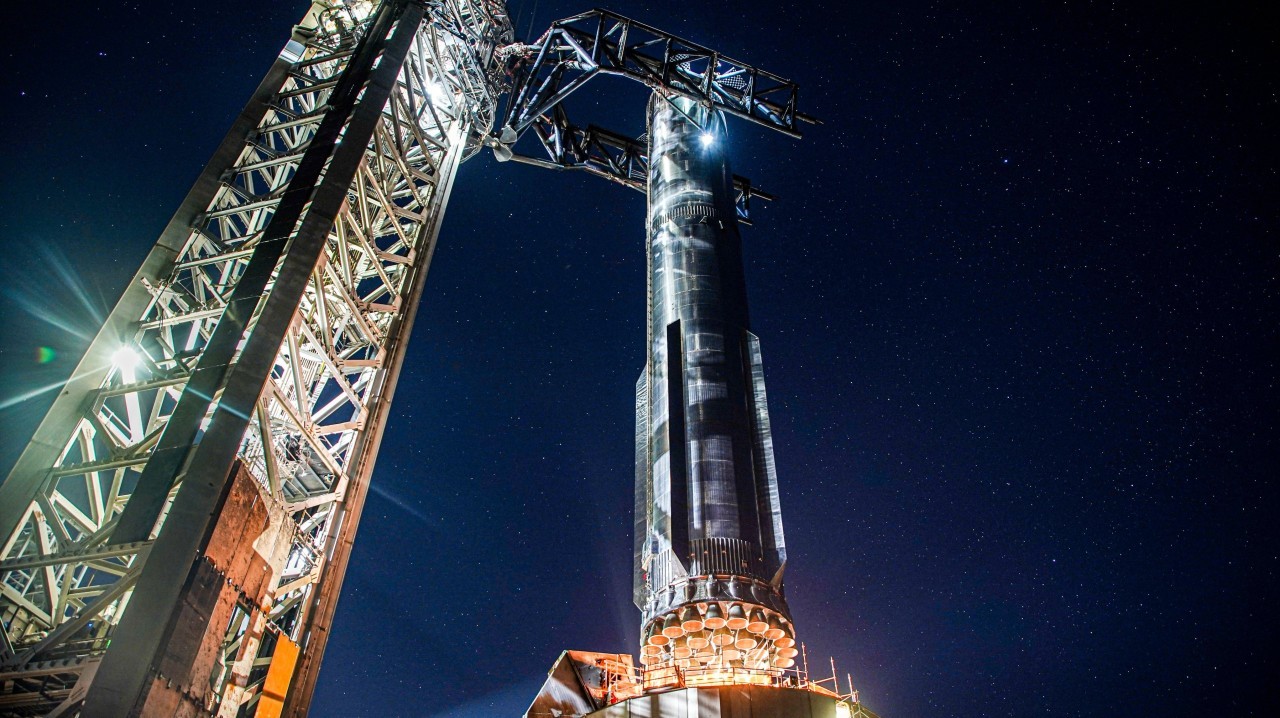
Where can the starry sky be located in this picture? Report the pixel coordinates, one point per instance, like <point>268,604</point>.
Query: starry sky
<point>1017,300</point>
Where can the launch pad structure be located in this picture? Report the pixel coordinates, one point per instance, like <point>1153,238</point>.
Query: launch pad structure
<point>174,536</point>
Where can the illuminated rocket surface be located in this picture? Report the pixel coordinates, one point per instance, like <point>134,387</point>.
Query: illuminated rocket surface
<point>709,548</point>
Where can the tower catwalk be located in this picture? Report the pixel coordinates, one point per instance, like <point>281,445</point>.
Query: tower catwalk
<point>709,550</point>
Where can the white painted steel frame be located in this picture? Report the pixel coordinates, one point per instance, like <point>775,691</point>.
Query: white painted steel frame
<point>313,433</point>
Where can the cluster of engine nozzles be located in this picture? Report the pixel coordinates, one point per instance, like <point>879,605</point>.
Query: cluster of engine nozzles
<point>709,635</point>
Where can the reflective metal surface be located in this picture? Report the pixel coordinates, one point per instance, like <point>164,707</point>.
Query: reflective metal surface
<point>709,527</point>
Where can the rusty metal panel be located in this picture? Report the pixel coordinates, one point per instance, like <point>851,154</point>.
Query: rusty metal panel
<point>215,584</point>
<point>229,571</point>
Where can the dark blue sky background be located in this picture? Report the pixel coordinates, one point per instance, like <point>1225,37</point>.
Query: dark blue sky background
<point>1017,298</point>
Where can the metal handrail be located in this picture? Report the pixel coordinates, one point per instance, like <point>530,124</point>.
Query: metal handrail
<point>623,680</point>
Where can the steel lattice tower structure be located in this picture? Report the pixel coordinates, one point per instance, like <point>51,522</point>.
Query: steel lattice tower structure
<point>240,386</point>
<point>175,534</point>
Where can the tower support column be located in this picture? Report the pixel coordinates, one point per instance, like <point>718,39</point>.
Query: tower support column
<point>184,514</point>
<point>298,231</point>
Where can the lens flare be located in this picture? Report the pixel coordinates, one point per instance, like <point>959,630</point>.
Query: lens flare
<point>125,358</point>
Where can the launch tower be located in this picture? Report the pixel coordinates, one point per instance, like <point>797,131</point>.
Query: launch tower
<point>174,537</point>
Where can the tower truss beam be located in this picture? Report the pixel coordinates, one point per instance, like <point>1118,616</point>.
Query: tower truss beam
<point>610,155</point>
<point>578,48</point>
<point>342,162</point>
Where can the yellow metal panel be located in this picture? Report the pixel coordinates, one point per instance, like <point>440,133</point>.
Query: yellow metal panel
<point>279,675</point>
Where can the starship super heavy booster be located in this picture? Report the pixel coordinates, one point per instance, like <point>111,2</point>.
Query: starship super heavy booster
<point>709,549</point>
<point>716,634</point>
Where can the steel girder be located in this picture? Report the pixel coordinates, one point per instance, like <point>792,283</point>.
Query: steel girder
<point>610,155</point>
<point>578,48</point>
<point>291,376</point>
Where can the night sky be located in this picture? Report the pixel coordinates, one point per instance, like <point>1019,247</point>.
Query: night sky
<point>1017,300</point>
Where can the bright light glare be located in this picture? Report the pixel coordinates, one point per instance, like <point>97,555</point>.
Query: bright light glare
<point>440,95</point>
<point>360,10</point>
<point>707,139</point>
<point>125,358</point>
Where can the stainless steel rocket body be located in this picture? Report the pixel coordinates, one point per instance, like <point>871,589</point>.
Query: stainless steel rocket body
<point>709,538</point>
